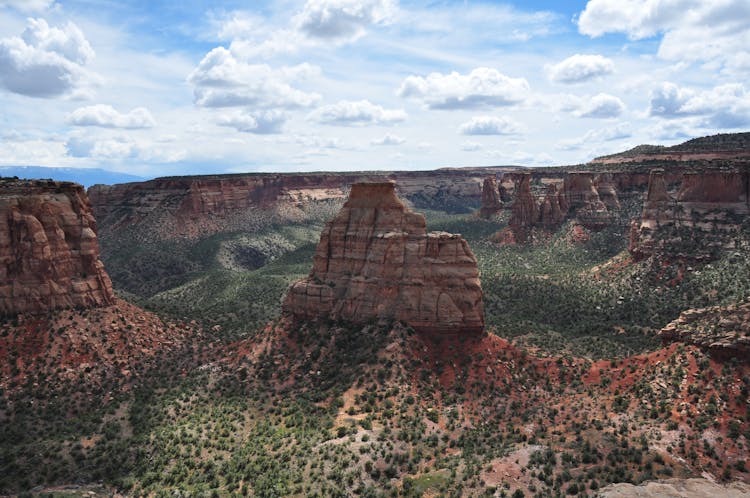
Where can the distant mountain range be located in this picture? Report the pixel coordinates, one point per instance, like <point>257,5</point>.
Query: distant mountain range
<point>84,176</point>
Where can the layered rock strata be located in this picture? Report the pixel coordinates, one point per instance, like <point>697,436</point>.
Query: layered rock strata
<point>491,203</point>
<point>49,253</point>
<point>376,260</point>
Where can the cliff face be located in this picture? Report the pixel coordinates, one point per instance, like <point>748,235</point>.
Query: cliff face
<point>375,260</point>
<point>700,220</point>
<point>49,253</point>
<point>490,198</point>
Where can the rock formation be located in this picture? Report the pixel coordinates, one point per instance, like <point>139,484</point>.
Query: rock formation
<point>490,198</point>
<point>583,200</point>
<point>703,218</point>
<point>551,213</point>
<point>605,187</point>
<point>724,330</point>
<point>375,260</point>
<point>525,210</point>
<point>49,253</point>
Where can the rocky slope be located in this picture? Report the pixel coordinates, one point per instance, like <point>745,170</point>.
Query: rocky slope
<point>376,260</point>
<point>724,330</point>
<point>49,253</point>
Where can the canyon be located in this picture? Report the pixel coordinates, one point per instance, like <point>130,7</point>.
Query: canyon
<point>316,333</point>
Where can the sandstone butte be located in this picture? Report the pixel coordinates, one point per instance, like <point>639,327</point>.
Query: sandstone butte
<point>376,260</point>
<point>49,253</point>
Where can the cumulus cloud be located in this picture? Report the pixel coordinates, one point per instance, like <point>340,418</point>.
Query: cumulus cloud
<point>388,139</point>
<point>27,6</point>
<point>106,116</point>
<point>490,125</point>
<point>482,87</point>
<point>579,68</point>
<point>261,123</point>
<point>725,106</point>
<point>222,80</point>
<point>599,106</point>
<point>357,113</point>
<point>342,19</point>
<point>45,61</point>
<point>693,30</point>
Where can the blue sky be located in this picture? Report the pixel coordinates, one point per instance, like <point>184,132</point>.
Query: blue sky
<point>164,87</point>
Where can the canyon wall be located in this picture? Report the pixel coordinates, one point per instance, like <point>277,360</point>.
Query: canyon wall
<point>698,221</point>
<point>197,206</point>
<point>376,260</point>
<point>49,253</point>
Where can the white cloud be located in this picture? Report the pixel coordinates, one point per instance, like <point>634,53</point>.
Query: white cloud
<point>579,68</point>
<point>725,106</point>
<point>482,87</point>
<point>27,6</point>
<point>36,151</point>
<point>222,80</point>
<point>46,61</point>
<point>261,123</point>
<point>342,19</point>
<point>469,146</point>
<point>490,125</point>
<point>351,113</point>
<point>595,136</point>
<point>388,139</point>
<point>693,30</point>
<point>104,148</point>
<point>599,106</point>
<point>106,116</point>
<point>520,157</point>
<point>121,148</point>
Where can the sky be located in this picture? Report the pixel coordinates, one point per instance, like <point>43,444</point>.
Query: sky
<point>156,87</point>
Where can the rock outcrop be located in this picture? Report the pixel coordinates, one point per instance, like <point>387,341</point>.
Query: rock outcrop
<point>701,220</point>
<point>551,213</point>
<point>584,201</point>
<point>490,198</point>
<point>376,260</point>
<point>525,210</point>
<point>605,187</point>
<point>49,253</point>
<point>724,330</point>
